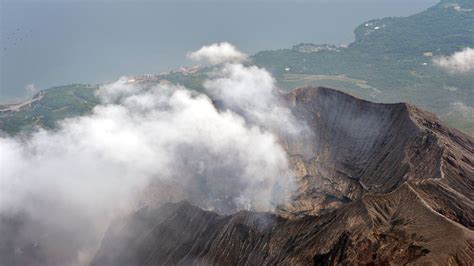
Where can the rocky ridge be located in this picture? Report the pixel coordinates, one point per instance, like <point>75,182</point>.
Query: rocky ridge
<point>377,184</point>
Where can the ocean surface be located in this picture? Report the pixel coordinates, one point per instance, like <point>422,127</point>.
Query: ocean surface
<point>48,43</point>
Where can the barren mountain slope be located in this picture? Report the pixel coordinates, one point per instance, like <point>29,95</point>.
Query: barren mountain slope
<point>378,183</point>
<point>398,227</point>
<point>356,146</point>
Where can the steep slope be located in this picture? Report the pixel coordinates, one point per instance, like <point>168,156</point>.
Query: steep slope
<point>378,184</point>
<point>395,228</point>
<point>359,146</point>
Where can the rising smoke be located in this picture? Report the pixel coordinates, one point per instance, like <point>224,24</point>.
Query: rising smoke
<point>71,182</point>
<point>253,95</point>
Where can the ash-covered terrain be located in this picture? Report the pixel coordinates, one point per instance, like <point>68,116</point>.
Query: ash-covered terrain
<point>376,184</point>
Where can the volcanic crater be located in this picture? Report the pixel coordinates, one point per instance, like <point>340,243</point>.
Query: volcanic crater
<point>376,184</point>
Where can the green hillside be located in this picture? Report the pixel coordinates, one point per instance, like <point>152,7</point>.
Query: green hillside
<point>442,29</point>
<point>390,61</point>
<point>51,106</point>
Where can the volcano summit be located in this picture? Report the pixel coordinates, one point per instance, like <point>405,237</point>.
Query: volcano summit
<point>376,184</point>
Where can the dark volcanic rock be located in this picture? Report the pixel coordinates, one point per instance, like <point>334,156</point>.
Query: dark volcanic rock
<point>394,228</point>
<point>359,146</point>
<point>378,184</point>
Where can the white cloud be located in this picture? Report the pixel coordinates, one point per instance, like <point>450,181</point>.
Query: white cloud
<point>218,53</point>
<point>114,91</point>
<point>121,146</point>
<point>459,62</point>
<point>458,8</point>
<point>465,110</point>
<point>251,91</point>
<point>71,182</point>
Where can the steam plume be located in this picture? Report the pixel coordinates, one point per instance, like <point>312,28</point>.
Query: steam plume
<point>70,183</point>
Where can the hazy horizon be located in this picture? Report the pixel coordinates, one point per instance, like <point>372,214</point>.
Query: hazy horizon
<point>268,150</point>
<point>64,42</point>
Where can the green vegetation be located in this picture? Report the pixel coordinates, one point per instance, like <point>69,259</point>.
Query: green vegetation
<point>441,29</point>
<point>393,59</point>
<point>193,82</point>
<point>58,103</point>
<point>55,104</point>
